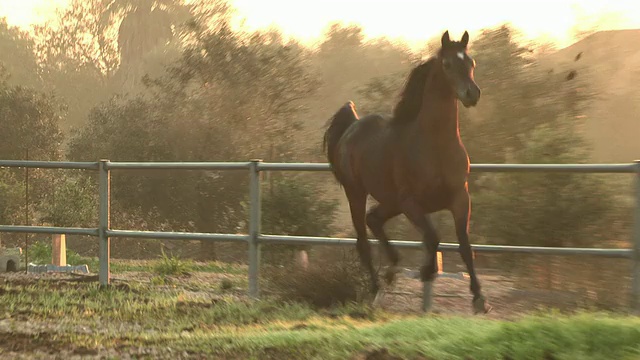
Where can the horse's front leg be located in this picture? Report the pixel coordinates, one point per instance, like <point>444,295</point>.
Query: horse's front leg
<point>430,239</point>
<point>461,211</point>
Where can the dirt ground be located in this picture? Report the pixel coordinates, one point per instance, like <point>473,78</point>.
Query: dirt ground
<point>451,293</point>
<point>452,297</point>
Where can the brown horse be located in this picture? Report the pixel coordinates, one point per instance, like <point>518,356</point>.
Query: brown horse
<point>413,163</point>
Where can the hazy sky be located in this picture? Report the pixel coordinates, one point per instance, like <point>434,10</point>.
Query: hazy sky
<point>411,20</point>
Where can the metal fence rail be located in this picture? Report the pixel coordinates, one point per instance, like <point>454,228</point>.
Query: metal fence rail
<point>310,240</point>
<point>255,238</point>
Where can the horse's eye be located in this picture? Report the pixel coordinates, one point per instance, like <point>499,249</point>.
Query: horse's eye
<point>446,63</point>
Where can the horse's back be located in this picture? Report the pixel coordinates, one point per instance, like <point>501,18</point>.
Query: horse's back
<point>366,126</point>
<point>365,151</point>
<point>365,135</point>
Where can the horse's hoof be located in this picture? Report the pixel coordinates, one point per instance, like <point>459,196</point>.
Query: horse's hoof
<point>480,305</point>
<point>390,275</point>
<point>378,299</point>
<point>374,290</point>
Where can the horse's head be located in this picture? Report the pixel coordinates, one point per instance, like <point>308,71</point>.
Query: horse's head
<point>458,67</point>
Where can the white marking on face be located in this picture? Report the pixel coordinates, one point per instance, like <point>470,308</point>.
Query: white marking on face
<point>460,55</point>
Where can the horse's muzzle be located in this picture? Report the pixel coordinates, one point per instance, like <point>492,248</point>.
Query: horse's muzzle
<point>470,96</point>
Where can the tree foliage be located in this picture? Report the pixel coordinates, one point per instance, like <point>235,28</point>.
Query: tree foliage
<point>29,121</point>
<point>228,98</point>
<point>294,206</point>
<point>71,202</point>
<point>11,197</point>
<point>95,48</point>
<point>547,209</point>
<point>18,64</point>
<point>170,80</point>
<point>528,114</point>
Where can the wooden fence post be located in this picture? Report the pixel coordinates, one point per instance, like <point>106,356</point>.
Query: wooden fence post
<point>59,250</point>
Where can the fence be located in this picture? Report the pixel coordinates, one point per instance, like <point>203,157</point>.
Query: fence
<point>255,238</point>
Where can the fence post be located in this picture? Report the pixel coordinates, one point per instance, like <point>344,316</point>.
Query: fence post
<point>104,222</point>
<point>255,204</point>
<point>59,249</point>
<point>635,276</point>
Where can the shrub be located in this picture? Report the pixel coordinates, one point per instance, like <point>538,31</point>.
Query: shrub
<point>172,265</point>
<point>323,284</point>
<point>41,252</point>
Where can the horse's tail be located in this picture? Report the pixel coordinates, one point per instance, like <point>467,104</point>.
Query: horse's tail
<point>339,123</point>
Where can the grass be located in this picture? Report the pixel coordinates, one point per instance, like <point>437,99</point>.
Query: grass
<point>40,253</point>
<point>205,318</point>
<point>123,266</point>
<point>172,265</point>
<point>578,337</point>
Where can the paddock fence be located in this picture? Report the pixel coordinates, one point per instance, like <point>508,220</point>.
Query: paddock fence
<point>255,238</point>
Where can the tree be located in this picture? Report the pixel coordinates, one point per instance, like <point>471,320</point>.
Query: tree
<point>11,197</point>
<point>95,48</point>
<point>295,206</point>
<point>73,202</point>
<point>555,209</point>
<point>29,122</point>
<point>76,58</point>
<point>345,60</point>
<point>17,57</point>
<point>144,27</point>
<point>381,93</point>
<point>546,209</point>
<point>225,89</point>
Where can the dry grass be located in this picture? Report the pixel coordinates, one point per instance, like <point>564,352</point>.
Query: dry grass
<point>207,315</point>
<point>324,284</point>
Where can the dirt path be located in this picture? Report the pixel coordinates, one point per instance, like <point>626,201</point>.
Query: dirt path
<point>453,297</point>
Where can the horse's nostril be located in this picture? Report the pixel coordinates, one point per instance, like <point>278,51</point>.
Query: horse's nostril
<point>472,93</point>
<point>468,94</point>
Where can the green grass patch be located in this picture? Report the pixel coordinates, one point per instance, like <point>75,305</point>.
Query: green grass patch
<point>41,253</point>
<point>122,266</point>
<point>151,306</point>
<point>172,265</point>
<point>576,337</point>
<point>214,323</point>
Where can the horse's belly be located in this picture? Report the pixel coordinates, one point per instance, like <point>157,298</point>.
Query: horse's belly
<point>435,197</point>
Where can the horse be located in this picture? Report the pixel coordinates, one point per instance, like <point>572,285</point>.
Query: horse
<point>412,163</point>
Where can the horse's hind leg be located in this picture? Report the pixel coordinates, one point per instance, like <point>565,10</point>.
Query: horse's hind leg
<point>358,207</point>
<point>376,218</point>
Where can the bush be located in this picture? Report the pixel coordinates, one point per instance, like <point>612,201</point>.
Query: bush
<point>173,265</point>
<point>324,284</point>
<point>294,206</point>
<point>553,209</point>
<point>41,252</point>
<point>73,202</point>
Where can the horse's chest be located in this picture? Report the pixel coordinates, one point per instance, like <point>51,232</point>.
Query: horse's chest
<point>436,175</point>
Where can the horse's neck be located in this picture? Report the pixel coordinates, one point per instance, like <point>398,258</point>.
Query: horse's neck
<point>438,116</point>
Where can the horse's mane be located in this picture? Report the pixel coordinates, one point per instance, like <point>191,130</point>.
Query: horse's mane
<point>408,107</point>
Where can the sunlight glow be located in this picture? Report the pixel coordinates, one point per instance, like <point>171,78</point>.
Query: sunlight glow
<point>24,13</point>
<point>413,21</point>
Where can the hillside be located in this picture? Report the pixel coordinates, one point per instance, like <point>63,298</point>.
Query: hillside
<point>611,59</point>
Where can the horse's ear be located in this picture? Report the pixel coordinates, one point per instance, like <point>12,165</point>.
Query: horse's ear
<point>445,38</point>
<point>465,39</point>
